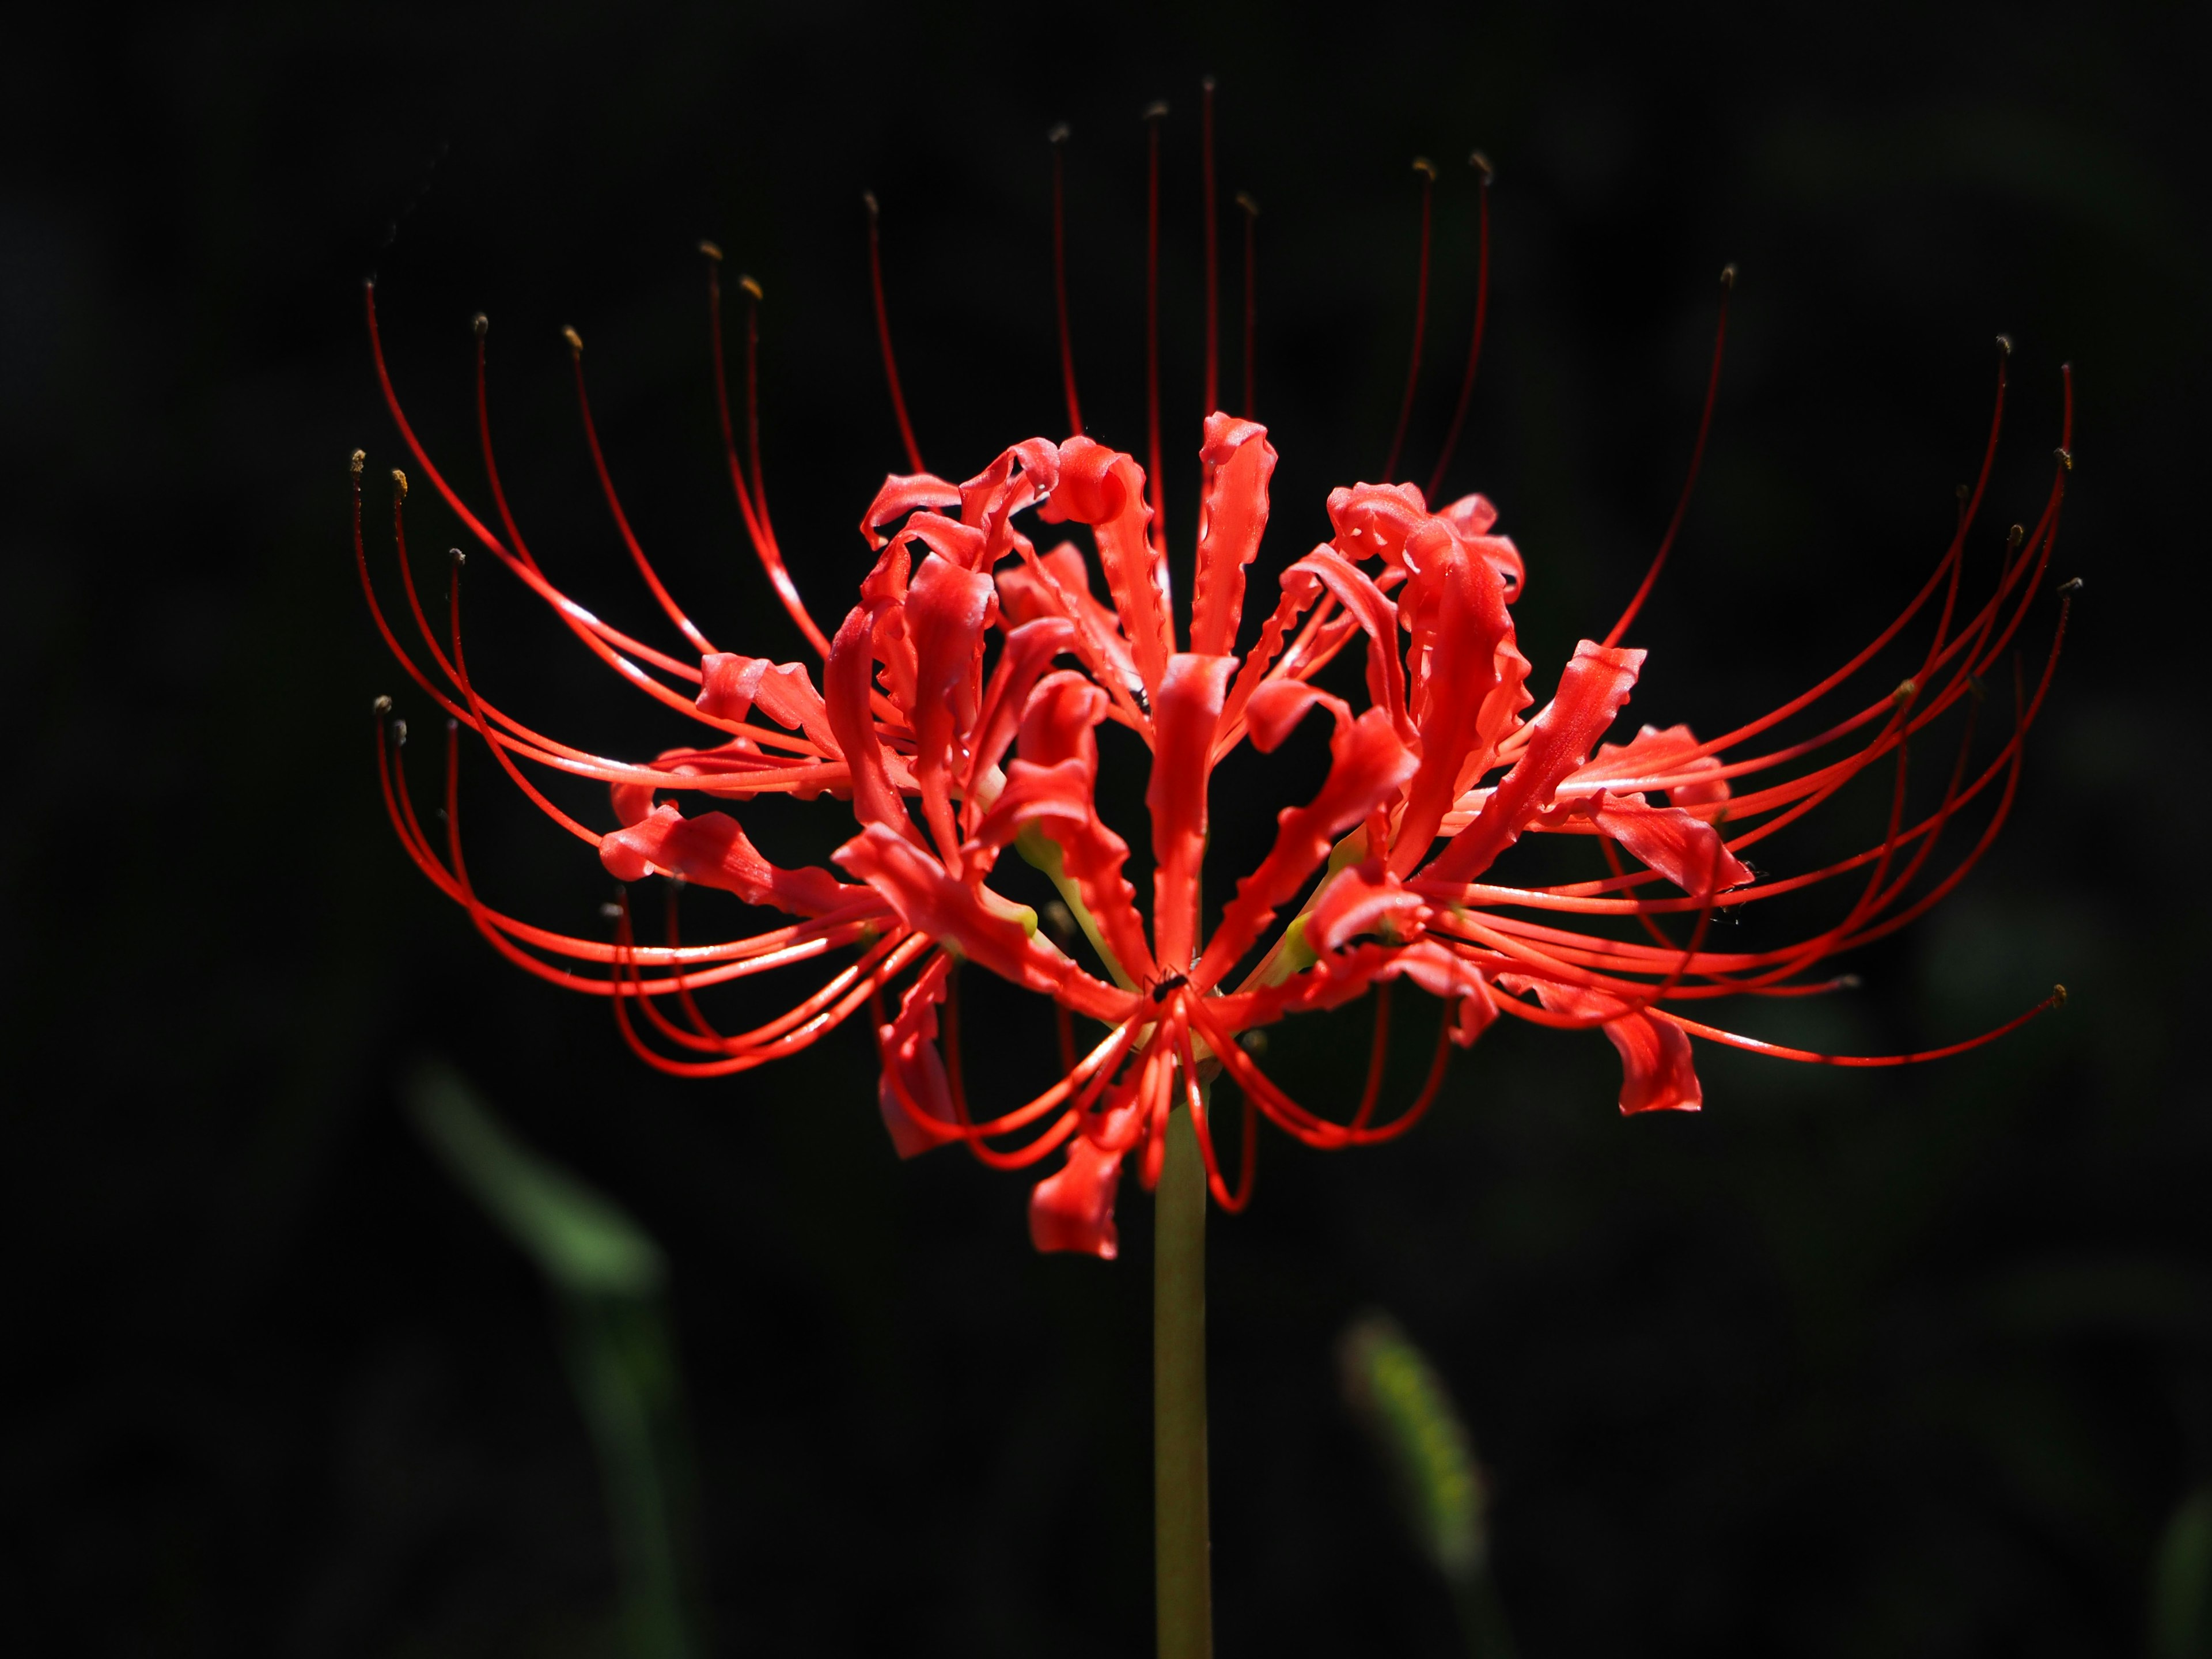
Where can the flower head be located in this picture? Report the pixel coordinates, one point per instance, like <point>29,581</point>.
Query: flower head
<point>954,713</point>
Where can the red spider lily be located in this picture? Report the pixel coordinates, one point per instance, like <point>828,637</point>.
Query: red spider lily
<point>956,709</point>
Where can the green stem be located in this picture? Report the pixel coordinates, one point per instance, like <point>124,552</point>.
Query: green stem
<point>1182,1539</point>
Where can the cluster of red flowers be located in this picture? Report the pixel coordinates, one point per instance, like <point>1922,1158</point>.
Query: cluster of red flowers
<point>957,710</point>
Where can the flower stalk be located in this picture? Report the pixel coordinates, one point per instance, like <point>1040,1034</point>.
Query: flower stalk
<point>1183,1537</point>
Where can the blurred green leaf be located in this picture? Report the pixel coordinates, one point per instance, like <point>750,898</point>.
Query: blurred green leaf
<point>608,1276</point>
<point>2181,1582</point>
<point>1402,1402</point>
<point>581,1240</point>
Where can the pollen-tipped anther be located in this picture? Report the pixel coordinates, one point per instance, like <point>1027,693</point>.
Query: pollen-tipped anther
<point>2068,588</point>
<point>1848,981</point>
<point>2065,457</point>
<point>1423,165</point>
<point>868,201</point>
<point>712,250</point>
<point>1058,133</point>
<point>459,558</point>
<point>398,485</point>
<point>1156,111</point>
<point>398,730</point>
<point>575,341</point>
<point>1728,277</point>
<point>359,460</point>
<point>1480,163</point>
<point>2004,344</point>
<point>1244,200</point>
<point>480,325</point>
<point>2014,537</point>
<point>751,288</point>
<point>2058,996</point>
<point>1906,691</point>
<point>380,708</point>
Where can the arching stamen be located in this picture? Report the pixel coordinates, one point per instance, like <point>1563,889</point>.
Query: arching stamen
<point>1774,1050</point>
<point>1212,253</point>
<point>1251,293</point>
<point>1377,1055</point>
<point>1154,116</point>
<point>883,332</point>
<point>752,392</point>
<point>683,624</point>
<point>1696,460</point>
<point>1480,163</point>
<point>1058,139</point>
<point>758,530</point>
<point>1427,170</point>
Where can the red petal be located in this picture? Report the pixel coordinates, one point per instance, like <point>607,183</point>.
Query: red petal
<point>1368,765</point>
<point>945,610</point>
<point>1185,711</point>
<point>1468,685</point>
<point>1240,461</point>
<point>1372,609</point>
<point>846,678</point>
<point>1105,489</point>
<point>1591,690</point>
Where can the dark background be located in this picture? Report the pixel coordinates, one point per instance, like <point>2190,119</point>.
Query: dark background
<point>1891,1363</point>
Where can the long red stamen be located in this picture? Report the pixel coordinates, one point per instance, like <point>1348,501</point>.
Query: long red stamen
<point>1427,170</point>
<point>660,593</point>
<point>1153,116</point>
<point>1251,296</point>
<point>1696,460</point>
<point>1058,139</point>
<point>884,334</point>
<point>1212,255</point>
<point>758,531</point>
<point>1480,163</point>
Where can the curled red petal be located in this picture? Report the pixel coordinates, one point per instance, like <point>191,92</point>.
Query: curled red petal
<point>713,851</point>
<point>1656,1072</point>
<point>1018,477</point>
<point>913,1079</point>
<point>1073,1209</point>
<point>1371,521</point>
<point>945,611</point>
<point>949,910</point>
<point>1682,847</point>
<point>902,492</point>
<point>732,686</point>
<point>1364,898</point>
<point>1656,752</point>
<point>1233,516</point>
